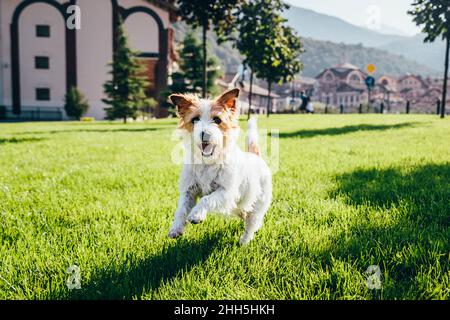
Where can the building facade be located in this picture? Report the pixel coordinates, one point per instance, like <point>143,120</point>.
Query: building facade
<point>422,93</point>
<point>344,85</point>
<point>341,85</point>
<point>42,54</point>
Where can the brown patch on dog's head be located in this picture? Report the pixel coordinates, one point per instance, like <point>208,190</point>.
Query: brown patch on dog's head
<point>228,100</point>
<point>187,106</point>
<point>223,110</point>
<point>225,107</point>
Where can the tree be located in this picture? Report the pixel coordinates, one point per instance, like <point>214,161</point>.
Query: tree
<point>75,103</point>
<point>271,49</point>
<point>203,14</point>
<point>148,108</point>
<point>126,91</point>
<point>178,85</point>
<point>191,57</point>
<point>190,76</point>
<point>434,17</point>
<point>250,21</point>
<point>191,60</point>
<point>281,60</point>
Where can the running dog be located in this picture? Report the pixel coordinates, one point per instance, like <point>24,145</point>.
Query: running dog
<point>217,175</point>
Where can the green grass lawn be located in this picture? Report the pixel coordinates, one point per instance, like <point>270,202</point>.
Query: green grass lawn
<point>351,191</point>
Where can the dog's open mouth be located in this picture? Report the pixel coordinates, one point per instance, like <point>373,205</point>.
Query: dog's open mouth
<point>207,149</point>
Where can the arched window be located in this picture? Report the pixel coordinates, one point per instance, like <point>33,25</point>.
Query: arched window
<point>354,78</point>
<point>328,77</point>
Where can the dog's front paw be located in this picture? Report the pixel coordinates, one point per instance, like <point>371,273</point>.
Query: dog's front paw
<point>245,239</point>
<point>176,231</point>
<point>197,216</point>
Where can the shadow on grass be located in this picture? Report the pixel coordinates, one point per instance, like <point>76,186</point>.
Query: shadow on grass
<point>90,130</point>
<point>134,278</point>
<point>344,130</point>
<point>113,130</point>
<point>415,242</point>
<point>19,140</point>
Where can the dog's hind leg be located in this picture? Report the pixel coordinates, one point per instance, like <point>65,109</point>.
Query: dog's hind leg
<point>253,222</point>
<point>255,219</point>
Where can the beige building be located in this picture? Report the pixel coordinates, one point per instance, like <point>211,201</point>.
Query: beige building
<point>43,52</point>
<point>422,93</point>
<point>341,85</point>
<point>344,85</point>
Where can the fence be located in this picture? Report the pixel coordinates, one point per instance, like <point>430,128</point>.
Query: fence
<point>32,114</point>
<point>406,107</point>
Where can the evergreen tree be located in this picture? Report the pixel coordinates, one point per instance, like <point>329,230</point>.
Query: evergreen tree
<point>178,85</point>
<point>191,60</point>
<point>190,76</point>
<point>434,17</point>
<point>213,72</point>
<point>75,103</point>
<point>191,56</point>
<point>126,91</point>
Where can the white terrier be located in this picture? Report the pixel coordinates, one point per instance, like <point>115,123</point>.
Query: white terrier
<point>226,179</point>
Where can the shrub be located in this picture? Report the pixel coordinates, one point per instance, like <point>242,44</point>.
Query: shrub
<point>76,104</point>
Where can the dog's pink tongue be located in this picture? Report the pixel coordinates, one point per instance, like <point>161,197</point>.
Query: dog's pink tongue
<point>207,148</point>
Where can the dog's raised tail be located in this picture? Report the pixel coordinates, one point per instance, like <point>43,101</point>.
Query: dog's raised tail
<point>252,137</point>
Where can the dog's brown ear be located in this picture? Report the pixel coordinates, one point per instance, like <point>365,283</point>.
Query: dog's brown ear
<point>228,99</point>
<point>181,102</point>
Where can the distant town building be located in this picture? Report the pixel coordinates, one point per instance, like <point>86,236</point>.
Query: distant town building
<point>40,58</point>
<point>344,84</point>
<point>422,93</point>
<point>341,85</point>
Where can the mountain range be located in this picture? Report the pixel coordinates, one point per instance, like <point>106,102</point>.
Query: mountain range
<point>329,40</point>
<point>318,26</point>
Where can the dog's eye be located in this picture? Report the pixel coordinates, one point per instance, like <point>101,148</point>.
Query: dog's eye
<point>195,120</point>
<point>217,120</point>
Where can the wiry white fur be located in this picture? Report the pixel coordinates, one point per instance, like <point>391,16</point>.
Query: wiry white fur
<point>229,182</point>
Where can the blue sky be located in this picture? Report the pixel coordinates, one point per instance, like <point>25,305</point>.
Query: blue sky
<point>392,13</point>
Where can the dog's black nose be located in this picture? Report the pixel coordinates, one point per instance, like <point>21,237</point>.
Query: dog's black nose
<point>205,136</point>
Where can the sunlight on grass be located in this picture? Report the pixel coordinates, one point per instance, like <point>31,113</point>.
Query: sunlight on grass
<point>351,191</point>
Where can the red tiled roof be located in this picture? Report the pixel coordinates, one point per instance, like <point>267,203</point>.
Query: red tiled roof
<point>419,78</point>
<point>341,71</point>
